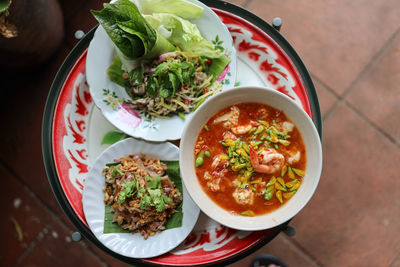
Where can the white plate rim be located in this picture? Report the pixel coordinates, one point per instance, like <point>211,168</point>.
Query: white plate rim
<point>126,244</point>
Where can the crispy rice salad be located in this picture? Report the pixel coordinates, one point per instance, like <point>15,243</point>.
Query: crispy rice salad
<point>141,196</point>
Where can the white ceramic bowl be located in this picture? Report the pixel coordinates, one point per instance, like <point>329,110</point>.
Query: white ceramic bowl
<point>294,113</point>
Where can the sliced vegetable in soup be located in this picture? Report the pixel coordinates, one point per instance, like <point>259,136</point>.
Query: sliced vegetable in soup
<point>250,158</point>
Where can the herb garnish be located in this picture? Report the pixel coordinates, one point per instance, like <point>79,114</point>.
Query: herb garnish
<point>129,188</point>
<point>151,196</point>
<point>154,195</point>
<point>169,76</point>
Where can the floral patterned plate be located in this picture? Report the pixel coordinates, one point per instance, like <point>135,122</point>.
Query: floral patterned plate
<point>110,97</point>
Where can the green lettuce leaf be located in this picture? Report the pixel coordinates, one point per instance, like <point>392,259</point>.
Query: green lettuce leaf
<point>136,76</point>
<point>181,8</point>
<point>186,36</point>
<point>114,72</point>
<point>182,33</point>
<point>129,31</point>
<point>127,28</point>
<point>218,64</point>
<point>152,87</point>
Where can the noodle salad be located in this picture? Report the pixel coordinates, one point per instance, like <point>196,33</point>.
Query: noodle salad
<point>162,61</point>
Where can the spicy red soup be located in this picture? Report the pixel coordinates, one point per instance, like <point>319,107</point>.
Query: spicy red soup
<point>250,158</point>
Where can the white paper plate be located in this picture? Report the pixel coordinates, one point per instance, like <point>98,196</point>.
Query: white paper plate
<point>100,54</point>
<point>126,244</point>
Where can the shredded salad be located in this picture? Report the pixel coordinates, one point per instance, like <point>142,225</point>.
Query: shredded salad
<point>162,61</point>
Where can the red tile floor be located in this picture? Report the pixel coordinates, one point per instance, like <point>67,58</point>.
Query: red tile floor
<point>352,50</point>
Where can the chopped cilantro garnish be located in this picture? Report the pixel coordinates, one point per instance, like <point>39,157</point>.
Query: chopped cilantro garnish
<point>160,206</point>
<point>154,195</point>
<point>129,188</point>
<point>142,191</point>
<point>145,202</point>
<point>166,199</point>
<point>153,183</point>
<point>151,196</point>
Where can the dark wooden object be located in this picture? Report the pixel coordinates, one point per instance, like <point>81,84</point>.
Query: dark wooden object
<point>40,32</point>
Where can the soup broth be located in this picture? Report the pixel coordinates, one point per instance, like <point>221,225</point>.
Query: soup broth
<point>250,158</point>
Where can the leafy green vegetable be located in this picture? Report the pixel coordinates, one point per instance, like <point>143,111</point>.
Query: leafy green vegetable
<point>164,91</point>
<point>118,170</point>
<point>165,81</point>
<point>183,33</point>
<point>181,8</point>
<point>187,37</point>
<point>203,64</point>
<point>112,137</point>
<point>155,196</point>
<point>130,32</point>
<point>174,175</point>
<point>160,206</point>
<point>218,65</point>
<point>170,75</point>
<point>153,183</point>
<point>152,86</point>
<point>136,76</point>
<point>166,199</point>
<point>174,81</point>
<point>127,28</point>
<point>141,192</point>
<point>130,187</point>
<point>115,72</point>
<point>114,172</point>
<point>112,164</point>
<point>217,44</point>
<point>4,5</point>
<point>188,72</point>
<point>145,202</point>
<point>138,39</point>
<point>157,199</point>
<point>109,226</point>
<point>155,193</point>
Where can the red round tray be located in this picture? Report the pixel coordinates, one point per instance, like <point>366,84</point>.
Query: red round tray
<point>68,116</point>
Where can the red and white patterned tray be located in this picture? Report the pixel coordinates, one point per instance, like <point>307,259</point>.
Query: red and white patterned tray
<point>78,128</point>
